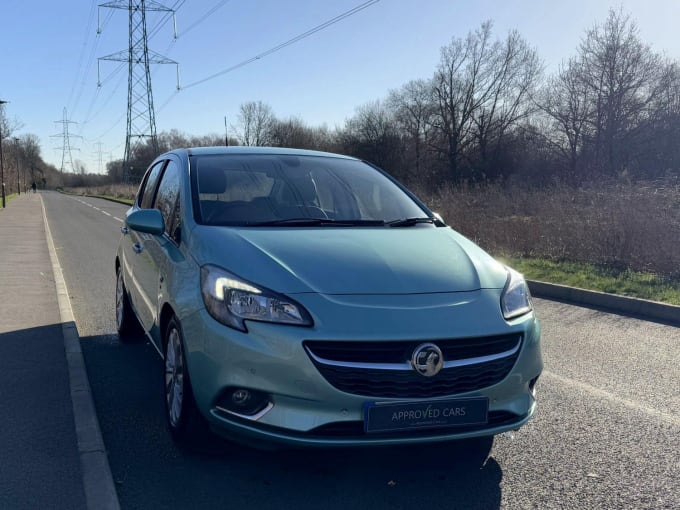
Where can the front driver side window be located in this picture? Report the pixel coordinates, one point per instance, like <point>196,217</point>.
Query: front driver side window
<point>167,200</point>
<point>149,187</point>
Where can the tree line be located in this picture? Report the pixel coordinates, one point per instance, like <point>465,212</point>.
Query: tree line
<point>490,112</point>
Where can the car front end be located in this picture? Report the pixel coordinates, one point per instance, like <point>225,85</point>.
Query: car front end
<point>333,362</point>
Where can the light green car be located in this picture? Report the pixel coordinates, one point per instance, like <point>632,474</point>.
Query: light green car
<point>307,298</point>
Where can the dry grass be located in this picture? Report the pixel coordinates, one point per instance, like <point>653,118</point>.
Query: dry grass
<point>617,226</point>
<point>127,191</point>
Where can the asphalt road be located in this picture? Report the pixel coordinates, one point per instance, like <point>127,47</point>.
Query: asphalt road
<point>606,435</point>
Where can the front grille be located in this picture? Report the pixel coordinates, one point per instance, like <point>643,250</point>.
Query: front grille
<point>337,361</point>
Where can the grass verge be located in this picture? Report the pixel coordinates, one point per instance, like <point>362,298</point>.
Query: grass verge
<point>602,279</point>
<point>128,201</point>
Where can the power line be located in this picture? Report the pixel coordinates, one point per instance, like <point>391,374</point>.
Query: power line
<point>165,18</point>
<point>114,90</point>
<point>196,23</point>
<point>203,18</point>
<point>295,39</point>
<point>90,20</point>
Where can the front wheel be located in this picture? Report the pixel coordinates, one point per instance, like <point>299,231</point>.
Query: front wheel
<point>182,416</point>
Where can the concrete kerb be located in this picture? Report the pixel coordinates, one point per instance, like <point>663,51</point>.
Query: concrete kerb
<point>642,308</point>
<point>100,492</point>
<point>110,199</point>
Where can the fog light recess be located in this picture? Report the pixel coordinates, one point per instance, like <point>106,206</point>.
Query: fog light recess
<point>532,386</point>
<point>242,401</point>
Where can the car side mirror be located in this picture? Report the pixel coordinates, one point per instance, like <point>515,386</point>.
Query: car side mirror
<point>146,220</point>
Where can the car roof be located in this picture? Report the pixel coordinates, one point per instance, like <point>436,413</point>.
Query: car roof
<point>242,150</point>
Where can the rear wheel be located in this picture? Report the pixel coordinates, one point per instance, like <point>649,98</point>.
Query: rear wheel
<point>182,416</point>
<point>126,321</point>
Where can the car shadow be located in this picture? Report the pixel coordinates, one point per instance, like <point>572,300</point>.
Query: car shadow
<point>39,460</point>
<point>151,471</point>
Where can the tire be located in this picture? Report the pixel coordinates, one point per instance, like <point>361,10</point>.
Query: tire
<point>185,422</point>
<point>127,324</point>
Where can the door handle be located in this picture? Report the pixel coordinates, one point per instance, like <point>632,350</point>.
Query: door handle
<point>124,230</point>
<point>138,248</point>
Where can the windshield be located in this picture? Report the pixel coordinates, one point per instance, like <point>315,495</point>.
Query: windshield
<point>283,190</point>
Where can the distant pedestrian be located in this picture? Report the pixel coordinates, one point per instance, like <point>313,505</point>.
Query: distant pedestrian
<point>33,187</point>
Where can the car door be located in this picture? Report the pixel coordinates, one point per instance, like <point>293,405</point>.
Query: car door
<point>163,252</point>
<point>136,256</point>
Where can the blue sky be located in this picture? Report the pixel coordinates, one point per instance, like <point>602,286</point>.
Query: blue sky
<point>50,52</point>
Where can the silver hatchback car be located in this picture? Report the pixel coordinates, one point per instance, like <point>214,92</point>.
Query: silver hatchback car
<point>307,298</point>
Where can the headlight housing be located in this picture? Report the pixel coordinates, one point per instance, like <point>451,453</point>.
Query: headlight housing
<point>231,301</point>
<point>516,298</point>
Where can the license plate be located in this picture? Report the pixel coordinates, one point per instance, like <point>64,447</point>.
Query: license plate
<point>393,416</point>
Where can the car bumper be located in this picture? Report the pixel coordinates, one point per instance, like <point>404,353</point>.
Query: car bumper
<point>305,409</point>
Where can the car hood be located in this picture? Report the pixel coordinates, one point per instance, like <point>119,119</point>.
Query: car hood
<point>339,260</point>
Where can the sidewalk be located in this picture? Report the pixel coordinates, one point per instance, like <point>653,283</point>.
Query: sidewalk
<point>40,463</point>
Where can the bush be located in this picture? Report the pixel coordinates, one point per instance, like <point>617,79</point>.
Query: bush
<point>614,225</point>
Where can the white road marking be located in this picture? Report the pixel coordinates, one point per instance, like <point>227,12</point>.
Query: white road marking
<point>630,404</point>
<point>98,209</point>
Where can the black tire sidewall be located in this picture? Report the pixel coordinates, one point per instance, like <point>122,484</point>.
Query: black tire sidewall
<point>189,413</point>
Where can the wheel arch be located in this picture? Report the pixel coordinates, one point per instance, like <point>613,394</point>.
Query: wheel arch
<point>166,314</point>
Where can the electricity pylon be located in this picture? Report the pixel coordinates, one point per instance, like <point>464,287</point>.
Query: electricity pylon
<point>141,118</point>
<point>66,142</point>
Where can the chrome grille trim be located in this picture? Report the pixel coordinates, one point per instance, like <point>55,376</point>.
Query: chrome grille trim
<point>407,365</point>
<point>252,417</point>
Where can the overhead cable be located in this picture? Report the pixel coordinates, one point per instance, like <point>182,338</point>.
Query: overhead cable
<point>295,39</point>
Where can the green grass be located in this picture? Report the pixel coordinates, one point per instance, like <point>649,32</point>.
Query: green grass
<point>116,199</point>
<point>592,277</point>
<point>8,198</point>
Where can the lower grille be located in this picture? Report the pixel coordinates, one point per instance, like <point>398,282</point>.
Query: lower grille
<point>349,429</point>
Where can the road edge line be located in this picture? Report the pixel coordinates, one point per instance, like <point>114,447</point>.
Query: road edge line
<point>622,401</point>
<point>100,491</point>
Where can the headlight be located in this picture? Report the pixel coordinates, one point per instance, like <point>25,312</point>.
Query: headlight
<point>231,300</point>
<point>515,299</point>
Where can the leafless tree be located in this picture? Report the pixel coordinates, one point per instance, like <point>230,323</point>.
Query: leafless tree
<point>371,134</point>
<point>413,109</point>
<point>255,122</point>
<point>31,148</point>
<point>567,102</point>
<point>293,132</point>
<point>622,77</point>
<point>482,88</point>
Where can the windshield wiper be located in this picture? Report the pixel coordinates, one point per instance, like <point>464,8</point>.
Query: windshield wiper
<point>408,222</point>
<point>313,222</point>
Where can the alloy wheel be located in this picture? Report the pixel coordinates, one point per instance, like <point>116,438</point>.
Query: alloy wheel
<point>174,377</point>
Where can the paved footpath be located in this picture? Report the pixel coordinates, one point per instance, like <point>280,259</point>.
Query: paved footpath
<point>42,461</point>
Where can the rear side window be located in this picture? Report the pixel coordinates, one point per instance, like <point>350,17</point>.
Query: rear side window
<point>146,192</point>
